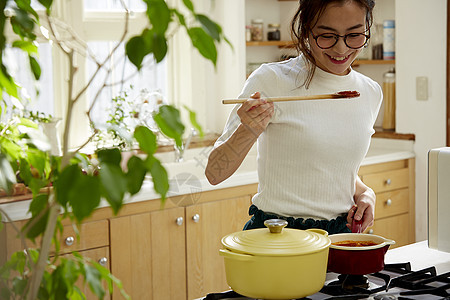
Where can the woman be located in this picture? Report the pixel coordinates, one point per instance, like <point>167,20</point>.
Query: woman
<point>309,152</point>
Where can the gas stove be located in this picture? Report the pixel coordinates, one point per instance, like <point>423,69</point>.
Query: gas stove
<point>414,279</point>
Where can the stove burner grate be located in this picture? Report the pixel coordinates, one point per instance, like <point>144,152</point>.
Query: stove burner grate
<point>393,277</point>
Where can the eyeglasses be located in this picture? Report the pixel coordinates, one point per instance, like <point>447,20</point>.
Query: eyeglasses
<point>351,40</point>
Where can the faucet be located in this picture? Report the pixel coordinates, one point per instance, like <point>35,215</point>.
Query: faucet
<point>179,150</point>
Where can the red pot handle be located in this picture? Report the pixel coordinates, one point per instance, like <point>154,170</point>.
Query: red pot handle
<point>357,226</point>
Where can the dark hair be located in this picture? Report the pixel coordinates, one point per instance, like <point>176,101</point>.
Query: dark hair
<point>309,11</point>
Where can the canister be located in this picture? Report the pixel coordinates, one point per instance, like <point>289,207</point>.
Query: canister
<point>273,33</point>
<point>257,30</point>
<point>389,100</point>
<point>389,39</point>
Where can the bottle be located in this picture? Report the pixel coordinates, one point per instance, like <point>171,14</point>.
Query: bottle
<point>248,33</point>
<point>377,41</point>
<point>257,30</point>
<point>389,39</point>
<point>273,34</point>
<point>389,100</point>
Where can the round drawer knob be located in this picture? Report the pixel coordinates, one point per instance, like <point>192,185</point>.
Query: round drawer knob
<point>388,181</point>
<point>370,231</point>
<point>388,202</point>
<point>103,261</point>
<point>196,218</point>
<point>69,241</point>
<point>179,221</point>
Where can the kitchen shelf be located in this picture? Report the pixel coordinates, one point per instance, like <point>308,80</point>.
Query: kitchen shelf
<point>390,134</point>
<point>359,62</point>
<point>281,44</point>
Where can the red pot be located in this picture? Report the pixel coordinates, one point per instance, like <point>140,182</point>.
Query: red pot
<point>357,260</point>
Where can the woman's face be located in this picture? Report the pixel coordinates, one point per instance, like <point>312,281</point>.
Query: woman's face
<point>340,19</point>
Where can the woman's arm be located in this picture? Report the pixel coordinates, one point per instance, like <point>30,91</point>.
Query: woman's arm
<point>364,208</point>
<point>223,161</point>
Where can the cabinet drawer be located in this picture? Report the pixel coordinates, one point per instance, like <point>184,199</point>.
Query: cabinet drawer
<point>392,203</point>
<point>100,255</point>
<point>387,181</point>
<point>395,228</point>
<point>91,235</point>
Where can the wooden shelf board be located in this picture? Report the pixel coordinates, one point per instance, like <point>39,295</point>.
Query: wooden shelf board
<point>271,43</point>
<point>359,62</point>
<point>391,134</point>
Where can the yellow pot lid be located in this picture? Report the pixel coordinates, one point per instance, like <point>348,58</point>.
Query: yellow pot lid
<point>276,241</point>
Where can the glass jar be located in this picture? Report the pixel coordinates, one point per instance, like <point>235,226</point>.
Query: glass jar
<point>257,30</point>
<point>389,100</point>
<point>273,34</point>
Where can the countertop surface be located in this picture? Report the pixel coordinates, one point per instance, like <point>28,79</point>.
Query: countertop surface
<point>420,256</point>
<point>188,176</point>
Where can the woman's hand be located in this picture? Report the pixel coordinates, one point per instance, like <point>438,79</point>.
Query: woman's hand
<point>255,114</point>
<point>364,208</point>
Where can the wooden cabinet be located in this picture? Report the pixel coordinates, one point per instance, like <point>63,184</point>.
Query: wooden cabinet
<point>206,224</point>
<point>100,255</point>
<point>393,183</point>
<point>170,253</point>
<point>90,239</point>
<point>148,254</point>
<point>174,253</point>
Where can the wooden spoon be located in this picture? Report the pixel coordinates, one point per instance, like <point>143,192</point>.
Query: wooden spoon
<point>338,95</point>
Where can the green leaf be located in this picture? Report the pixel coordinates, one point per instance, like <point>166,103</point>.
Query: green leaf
<point>211,27</point>
<point>7,174</point>
<point>28,123</point>
<point>204,43</point>
<point>193,119</point>
<point>22,24</point>
<point>26,46</point>
<point>110,156</point>
<point>159,177</point>
<point>19,285</point>
<point>8,84</point>
<point>180,17</point>
<point>37,159</point>
<point>38,227</point>
<point>35,67</point>
<point>156,43</point>
<point>84,196</point>
<point>159,15</point>
<point>159,47</point>
<point>63,185</point>
<point>60,286</point>
<point>38,204</point>
<point>25,5</point>
<point>146,139</point>
<point>10,148</point>
<point>136,174</point>
<point>169,122</point>
<point>136,49</point>
<point>189,5</point>
<point>46,3</point>
<point>114,185</point>
<point>94,280</point>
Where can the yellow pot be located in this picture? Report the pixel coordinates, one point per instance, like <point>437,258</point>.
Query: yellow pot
<point>276,263</point>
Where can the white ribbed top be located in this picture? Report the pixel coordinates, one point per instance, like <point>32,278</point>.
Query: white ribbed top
<point>310,153</point>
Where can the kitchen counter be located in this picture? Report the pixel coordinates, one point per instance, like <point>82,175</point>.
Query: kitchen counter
<point>420,257</point>
<point>188,176</point>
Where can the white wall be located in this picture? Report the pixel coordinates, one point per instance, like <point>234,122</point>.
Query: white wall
<point>421,40</point>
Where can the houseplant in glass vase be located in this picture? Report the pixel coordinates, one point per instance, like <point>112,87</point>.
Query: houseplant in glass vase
<point>61,185</point>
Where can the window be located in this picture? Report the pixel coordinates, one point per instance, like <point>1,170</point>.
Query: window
<point>100,24</point>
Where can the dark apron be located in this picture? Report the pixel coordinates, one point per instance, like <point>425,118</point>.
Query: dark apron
<point>338,225</point>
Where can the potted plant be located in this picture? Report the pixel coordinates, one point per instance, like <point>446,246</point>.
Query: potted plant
<point>60,185</point>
